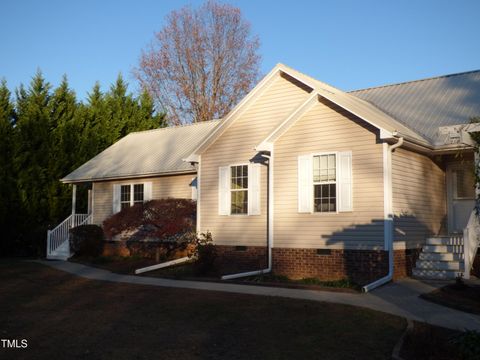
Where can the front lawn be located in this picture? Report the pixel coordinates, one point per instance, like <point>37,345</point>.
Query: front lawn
<point>67,317</point>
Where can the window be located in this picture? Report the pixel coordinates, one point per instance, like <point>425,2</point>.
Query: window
<point>325,183</point>
<point>138,193</point>
<point>464,184</point>
<point>125,196</point>
<point>239,189</point>
<point>131,194</point>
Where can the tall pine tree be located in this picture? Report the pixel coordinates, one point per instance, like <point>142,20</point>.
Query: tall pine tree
<point>8,190</point>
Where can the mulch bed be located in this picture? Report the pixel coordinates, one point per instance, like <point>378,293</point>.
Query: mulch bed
<point>461,297</point>
<point>426,342</point>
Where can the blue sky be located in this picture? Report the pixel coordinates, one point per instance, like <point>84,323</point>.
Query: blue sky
<point>349,44</point>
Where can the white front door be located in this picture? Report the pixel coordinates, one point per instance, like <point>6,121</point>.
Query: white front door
<point>461,194</point>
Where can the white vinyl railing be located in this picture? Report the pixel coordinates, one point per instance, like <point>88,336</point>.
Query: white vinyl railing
<point>471,236</point>
<point>60,234</point>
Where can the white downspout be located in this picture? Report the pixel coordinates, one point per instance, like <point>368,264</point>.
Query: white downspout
<point>388,210</point>
<point>269,226</point>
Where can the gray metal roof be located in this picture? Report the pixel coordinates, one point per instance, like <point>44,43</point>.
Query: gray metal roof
<point>425,105</point>
<point>145,153</point>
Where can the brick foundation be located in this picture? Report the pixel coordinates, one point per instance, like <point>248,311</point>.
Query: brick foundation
<point>233,259</point>
<point>361,266</point>
<point>404,261</point>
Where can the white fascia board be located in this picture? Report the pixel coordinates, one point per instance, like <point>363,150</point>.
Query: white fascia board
<point>264,146</point>
<point>192,158</point>
<point>384,134</point>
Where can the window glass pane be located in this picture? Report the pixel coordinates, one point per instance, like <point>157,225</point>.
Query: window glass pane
<point>325,197</point>
<point>138,193</point>
<point>239,202</point>
<point>124,196</point>
<point>238,188</point>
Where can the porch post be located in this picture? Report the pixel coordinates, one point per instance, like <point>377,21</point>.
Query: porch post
<point>89,202</point>
<point>74,202</point>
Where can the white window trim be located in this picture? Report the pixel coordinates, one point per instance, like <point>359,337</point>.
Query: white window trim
<point>326,183</point>
<point>247,188</point>
<point>146,197</point>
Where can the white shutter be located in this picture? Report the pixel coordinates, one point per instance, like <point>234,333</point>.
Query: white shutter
<point>254,189</point>
<point>224,190</point>
<point>344,181</point>
<point>116,198</point>
<point>305,184</point>
<point>147,191</point>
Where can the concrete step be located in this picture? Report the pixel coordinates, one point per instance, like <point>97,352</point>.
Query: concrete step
<point>58,256</point>
<point>441,256</point>
<point>445,240</point>
<point>439,265</point>
<point>442,249</point>
<point>435,274</point>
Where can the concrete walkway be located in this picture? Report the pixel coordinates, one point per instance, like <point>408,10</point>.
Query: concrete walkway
<point>399,298</point>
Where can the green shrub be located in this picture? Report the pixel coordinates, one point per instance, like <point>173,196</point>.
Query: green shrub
<point>86,240</point>
<point>206,254</point>
<point>469,345</point>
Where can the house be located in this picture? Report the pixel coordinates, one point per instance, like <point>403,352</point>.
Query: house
<point>306,180</point>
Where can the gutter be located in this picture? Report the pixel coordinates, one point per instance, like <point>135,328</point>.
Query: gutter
<point>269,225</point>
<point>388,222</point>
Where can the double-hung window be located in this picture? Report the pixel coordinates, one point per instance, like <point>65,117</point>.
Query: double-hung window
<point>126,195</point>
<point>325,182</point>
<point>239,189</point>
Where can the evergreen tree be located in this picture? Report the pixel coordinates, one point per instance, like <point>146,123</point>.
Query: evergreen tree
<point>7,175</point>
<point>32,145</point>
<point>64,140</point>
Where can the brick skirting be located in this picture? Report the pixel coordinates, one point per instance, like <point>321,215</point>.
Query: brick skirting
<point>233,259</point>
<point>361,266</point>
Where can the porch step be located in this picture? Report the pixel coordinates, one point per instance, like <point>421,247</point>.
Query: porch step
<point>439,265</point>
<point>442,249</point>
<point>435,274</point>
<point>61,253</point>
<point>445,240</point>
<point>441,256</point>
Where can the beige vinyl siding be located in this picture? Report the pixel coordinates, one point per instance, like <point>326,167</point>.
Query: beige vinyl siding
<point>236,146</point>
<point>176,186</point>
<point>328,128</point>
<point>419,197</point>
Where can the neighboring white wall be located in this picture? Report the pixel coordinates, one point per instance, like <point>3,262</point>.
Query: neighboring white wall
<point>176,186</point>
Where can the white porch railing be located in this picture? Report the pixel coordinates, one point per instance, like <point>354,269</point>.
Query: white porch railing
<point>471,238</point>
<point>60,234</point>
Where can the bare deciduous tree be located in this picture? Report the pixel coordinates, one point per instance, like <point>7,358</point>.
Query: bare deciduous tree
<point>201,63</point>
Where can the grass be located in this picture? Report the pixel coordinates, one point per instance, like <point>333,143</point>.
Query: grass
<point>457,296</point>
<point>67,317</point>
<point>280,279</point>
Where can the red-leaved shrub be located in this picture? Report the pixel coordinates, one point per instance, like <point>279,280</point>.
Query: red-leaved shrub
<point>165,219</point>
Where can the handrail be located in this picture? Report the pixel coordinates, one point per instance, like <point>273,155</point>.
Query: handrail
<point>471,238</point>
<point>60,234</point>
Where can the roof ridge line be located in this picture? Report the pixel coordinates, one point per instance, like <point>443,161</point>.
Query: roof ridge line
<point>414,81</point>
<point>174,127</point>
